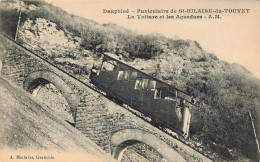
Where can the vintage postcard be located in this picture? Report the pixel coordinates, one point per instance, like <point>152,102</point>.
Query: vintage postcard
<point>128,80</point>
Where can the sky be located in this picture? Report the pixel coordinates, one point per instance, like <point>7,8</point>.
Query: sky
<point>234,38</point>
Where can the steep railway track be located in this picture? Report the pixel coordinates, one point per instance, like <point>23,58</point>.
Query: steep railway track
<point>94,88</point>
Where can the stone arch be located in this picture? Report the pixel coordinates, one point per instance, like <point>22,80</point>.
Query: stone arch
<point>38,78</point>
<point>124,138</point>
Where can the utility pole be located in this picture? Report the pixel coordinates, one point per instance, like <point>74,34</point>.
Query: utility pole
<point>253,126</point>
<point>18,23</point>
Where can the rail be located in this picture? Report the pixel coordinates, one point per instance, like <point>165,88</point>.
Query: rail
<point>181,139</point>
<point>51,64</point>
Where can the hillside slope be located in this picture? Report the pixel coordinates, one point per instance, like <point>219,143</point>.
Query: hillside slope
<point>225,92</point>
<point>27,124</point>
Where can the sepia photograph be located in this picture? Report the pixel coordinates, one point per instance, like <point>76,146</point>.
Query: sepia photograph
<point>129,80</point>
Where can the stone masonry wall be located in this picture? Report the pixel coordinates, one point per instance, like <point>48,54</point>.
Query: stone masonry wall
<point>97,117</point>
<point>19,63</point>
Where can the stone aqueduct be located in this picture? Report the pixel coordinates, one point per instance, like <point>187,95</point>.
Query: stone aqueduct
<point>113,128</point>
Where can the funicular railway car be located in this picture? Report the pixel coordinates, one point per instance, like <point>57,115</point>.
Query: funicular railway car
<point>156,99</point>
